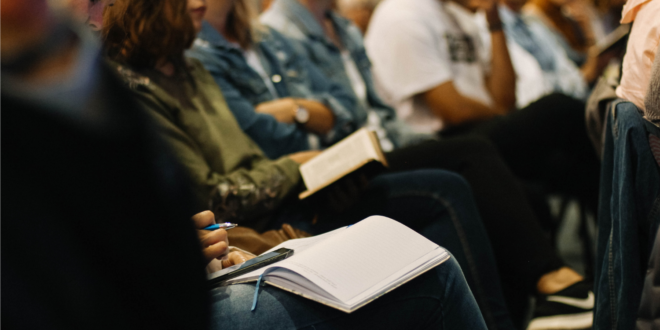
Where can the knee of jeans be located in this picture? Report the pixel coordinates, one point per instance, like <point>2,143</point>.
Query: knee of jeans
<point>452,184</point>
<point>451,270</point>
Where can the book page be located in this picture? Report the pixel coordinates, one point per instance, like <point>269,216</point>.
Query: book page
<point>337,160</point>
<point>360,257</point>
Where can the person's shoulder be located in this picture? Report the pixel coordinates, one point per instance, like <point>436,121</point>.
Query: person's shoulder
<point>131,78</point>
<point>198,71</point>
<point>282,24</point>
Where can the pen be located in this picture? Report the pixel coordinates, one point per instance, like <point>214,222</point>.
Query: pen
<point>224,225</point>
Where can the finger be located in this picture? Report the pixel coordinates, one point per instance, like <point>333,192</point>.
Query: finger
<point>215,251</point>
<point>237,258</point>
<point>212,237</point>
<point>203,219</point>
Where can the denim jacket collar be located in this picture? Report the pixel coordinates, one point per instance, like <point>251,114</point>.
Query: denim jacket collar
<point>212,36</point>
<point>305,21</point>
<point>302,17</point>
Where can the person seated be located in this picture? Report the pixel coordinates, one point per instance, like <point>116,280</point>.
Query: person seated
<point>557,71</point>
<point>441,81</point>
<point>108,245</point>
<point>570,23</point>
<point>324,35</point>
<point>479,164</point>
<point>318,114</point>
<point>233,177</point>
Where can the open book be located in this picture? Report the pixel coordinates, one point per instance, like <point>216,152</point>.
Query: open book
<point>346,156</point>
<point>349,267</point>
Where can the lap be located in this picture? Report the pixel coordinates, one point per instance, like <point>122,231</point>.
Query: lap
<point>429,301</point>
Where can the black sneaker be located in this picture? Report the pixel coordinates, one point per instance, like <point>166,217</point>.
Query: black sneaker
<point>571,308</point>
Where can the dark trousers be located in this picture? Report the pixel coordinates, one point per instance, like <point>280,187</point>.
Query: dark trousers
<point>545,143</point>
<point>522,251</point>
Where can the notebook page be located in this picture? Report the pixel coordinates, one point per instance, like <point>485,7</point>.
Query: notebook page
<point>360,257</point>
<point>297,245</point>
<point>334,161</point>
<point>431,260</point>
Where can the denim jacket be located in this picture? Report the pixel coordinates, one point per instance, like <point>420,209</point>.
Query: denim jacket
<point>293,76</point>
<point>296,22</point>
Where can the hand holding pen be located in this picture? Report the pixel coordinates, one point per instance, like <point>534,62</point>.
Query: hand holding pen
<point>215,244</point>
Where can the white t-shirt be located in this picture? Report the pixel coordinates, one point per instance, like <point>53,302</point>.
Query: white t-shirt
<point>417,45</point>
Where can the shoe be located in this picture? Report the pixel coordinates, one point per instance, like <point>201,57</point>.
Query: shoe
<point>571,308</point>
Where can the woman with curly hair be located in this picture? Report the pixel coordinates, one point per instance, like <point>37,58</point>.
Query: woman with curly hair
<point>146,40</point>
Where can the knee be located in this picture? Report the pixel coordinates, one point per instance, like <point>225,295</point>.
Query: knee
<point>449,185</point>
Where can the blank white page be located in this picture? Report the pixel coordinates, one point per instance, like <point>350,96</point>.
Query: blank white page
<point>360,257</point>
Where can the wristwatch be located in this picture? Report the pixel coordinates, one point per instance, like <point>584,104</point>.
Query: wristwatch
<point>301,116</point>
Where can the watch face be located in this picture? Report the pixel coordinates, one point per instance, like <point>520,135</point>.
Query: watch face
<point>302,115</point>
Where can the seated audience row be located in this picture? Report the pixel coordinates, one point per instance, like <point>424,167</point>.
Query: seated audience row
<point>245,68</point>
<point>191,114</point>
<point>223,110</point>
<point>109,247</point>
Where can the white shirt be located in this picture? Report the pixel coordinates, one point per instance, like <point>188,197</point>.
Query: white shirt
<point>417,45</point>
<point>252,59</point>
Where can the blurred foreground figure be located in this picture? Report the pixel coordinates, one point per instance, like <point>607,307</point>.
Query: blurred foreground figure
<point>96,232</point>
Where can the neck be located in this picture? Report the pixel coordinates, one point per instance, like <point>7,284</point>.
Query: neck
<point>217,15</point>
<point>318,8</point>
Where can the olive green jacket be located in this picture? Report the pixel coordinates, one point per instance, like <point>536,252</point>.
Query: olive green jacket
<point>231,175</point>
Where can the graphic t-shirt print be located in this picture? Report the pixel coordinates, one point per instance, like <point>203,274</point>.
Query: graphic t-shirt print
<point>461,48</point>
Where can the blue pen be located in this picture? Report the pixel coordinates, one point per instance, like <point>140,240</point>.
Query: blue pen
<point>224,225</point>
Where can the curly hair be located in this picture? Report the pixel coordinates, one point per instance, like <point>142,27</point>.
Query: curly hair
<point>142,32</point>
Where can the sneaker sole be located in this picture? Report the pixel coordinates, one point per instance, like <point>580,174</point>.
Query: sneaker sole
<point>575,321</point>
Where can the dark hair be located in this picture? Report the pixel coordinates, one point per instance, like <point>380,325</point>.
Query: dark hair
<point>140,32</point>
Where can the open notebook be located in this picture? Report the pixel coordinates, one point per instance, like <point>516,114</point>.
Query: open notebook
<point>351,266</point>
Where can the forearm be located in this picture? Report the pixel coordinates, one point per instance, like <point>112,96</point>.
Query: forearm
<point>471,111</point>
<point>453,108</point>
<point>502,81</point>
<point>321,119</point>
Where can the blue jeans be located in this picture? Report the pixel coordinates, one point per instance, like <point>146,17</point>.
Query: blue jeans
<point>439,205</point>
<point>438,299</point>
<point>628,217</point>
